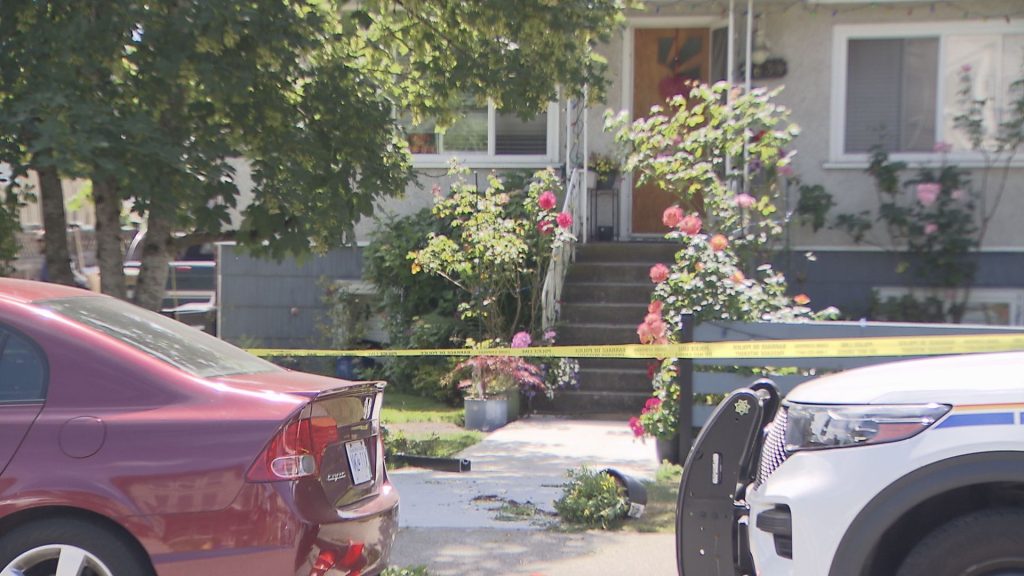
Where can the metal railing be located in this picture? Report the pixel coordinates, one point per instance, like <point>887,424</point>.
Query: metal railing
<point>563,254</point>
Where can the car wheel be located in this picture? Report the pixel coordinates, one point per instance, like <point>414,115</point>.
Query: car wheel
<point>68,546</point>
<point>987,543</point>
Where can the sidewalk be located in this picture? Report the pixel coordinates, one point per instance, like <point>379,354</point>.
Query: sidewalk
<point>449,520</point>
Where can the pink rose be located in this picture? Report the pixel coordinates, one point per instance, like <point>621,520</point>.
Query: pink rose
<point>651,405</point>
<point>719,242</point>
<point>655,307</point>
<point>672,216</point>
<point>547,200</point>
<point>690,225</point>
<point>545,227</point>
<point>930,228</point>
<point>643,331</point>
<point>521,340</point>
<point>564,220</point>
<point>636,426</point>
<point>659,273</point>
<point>928,193</point>
<point>745,200</point>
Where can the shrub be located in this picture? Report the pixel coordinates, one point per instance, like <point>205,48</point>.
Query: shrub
<point>411,571</point>
<point>592,499</point>
<point>726,222</point>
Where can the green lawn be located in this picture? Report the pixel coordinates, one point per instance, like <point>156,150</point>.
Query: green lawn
<point>660,514</point>
<point>423,427</point>
<point>402,408</point>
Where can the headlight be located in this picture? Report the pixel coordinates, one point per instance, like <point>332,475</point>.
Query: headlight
<point>811,426</point>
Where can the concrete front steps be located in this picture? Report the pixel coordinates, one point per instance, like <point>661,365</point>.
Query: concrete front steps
<point>605,297</point>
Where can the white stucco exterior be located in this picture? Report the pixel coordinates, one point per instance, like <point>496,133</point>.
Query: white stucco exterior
<point>803,34</point>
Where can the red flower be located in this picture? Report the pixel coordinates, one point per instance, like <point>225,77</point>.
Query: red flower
<point>564,220</point>
<point>801,299</point>
<point>690,225</point>
<point>655,307</point>
<point>652,404</point>
<point>636,426</point>
<point>547,200</point>
<point>545,227</point>
<point>672,216</point>
<point>659,273</point>
<point>652,369</point>
<point>719,242</point>
<point>643,331</point>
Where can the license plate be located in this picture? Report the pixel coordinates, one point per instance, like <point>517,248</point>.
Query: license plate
<point>359,462</point>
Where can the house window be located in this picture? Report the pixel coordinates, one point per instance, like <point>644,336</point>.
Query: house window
<point>990,306</point>
<point>898,86</point>
<point>487,135</point>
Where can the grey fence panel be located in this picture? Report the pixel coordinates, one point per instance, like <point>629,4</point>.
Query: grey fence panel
<point>739,331</point>
<point>724,382</point>
<point>275,304</point>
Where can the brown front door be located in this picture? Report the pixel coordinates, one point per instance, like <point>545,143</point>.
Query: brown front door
<point>663,60</point>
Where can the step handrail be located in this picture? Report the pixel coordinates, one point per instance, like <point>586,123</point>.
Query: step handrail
<point>562,254</point>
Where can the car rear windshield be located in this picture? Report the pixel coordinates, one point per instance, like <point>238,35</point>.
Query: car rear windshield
<point>179,345</point>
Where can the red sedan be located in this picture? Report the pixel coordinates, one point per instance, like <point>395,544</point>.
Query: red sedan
<point>133,445</point>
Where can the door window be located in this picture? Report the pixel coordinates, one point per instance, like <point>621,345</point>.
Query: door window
<point>22,369</point>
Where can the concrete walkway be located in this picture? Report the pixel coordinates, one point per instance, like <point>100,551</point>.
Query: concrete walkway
<point>449,520</point>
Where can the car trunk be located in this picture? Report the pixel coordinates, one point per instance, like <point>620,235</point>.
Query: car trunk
<point>343,428</point>
<point>351,467</point>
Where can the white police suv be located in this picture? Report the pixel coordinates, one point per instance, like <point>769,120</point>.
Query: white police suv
<point>913,468</point>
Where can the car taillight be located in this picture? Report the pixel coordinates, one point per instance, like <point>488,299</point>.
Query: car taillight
<point>296,450</point>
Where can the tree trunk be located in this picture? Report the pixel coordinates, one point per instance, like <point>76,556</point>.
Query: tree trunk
<point>156,247</point>
<point>108,237</point>
<point>55,222</point>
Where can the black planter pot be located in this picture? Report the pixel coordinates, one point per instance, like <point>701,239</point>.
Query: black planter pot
<point>668,449</point>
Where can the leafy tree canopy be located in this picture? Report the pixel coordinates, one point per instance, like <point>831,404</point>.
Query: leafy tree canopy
<point>158,96</point>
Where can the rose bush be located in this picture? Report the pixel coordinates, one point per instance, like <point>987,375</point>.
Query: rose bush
<point>720,271</point>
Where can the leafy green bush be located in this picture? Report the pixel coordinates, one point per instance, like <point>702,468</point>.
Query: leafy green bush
<point>411,571</point>
<point>593,499</point>
<point>419,310</point>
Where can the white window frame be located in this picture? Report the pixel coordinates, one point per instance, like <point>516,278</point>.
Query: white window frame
<point>843,33</point>
<point>490,159</point>
<point>1013,298</point>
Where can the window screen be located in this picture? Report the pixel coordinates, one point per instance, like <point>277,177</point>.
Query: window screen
<point>22,370</point>
<point>891,94</point>
<point>515,136</point>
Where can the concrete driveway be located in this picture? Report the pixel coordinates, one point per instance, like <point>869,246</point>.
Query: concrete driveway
<point>449,520</point>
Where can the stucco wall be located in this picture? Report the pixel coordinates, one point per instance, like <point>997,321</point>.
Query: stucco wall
<point>803,36</point>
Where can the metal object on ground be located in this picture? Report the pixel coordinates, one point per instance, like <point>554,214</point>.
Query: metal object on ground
<point>636,493</point>
<point>435,463</point>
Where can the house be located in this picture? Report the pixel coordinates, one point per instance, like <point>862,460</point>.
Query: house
<point>856,72</point>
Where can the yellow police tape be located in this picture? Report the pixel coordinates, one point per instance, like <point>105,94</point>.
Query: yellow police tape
<point>808,348</point>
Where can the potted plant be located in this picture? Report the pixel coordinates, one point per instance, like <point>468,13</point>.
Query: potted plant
<point>493,384</point>
<point>606,169</point>
<point>660,415</point>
